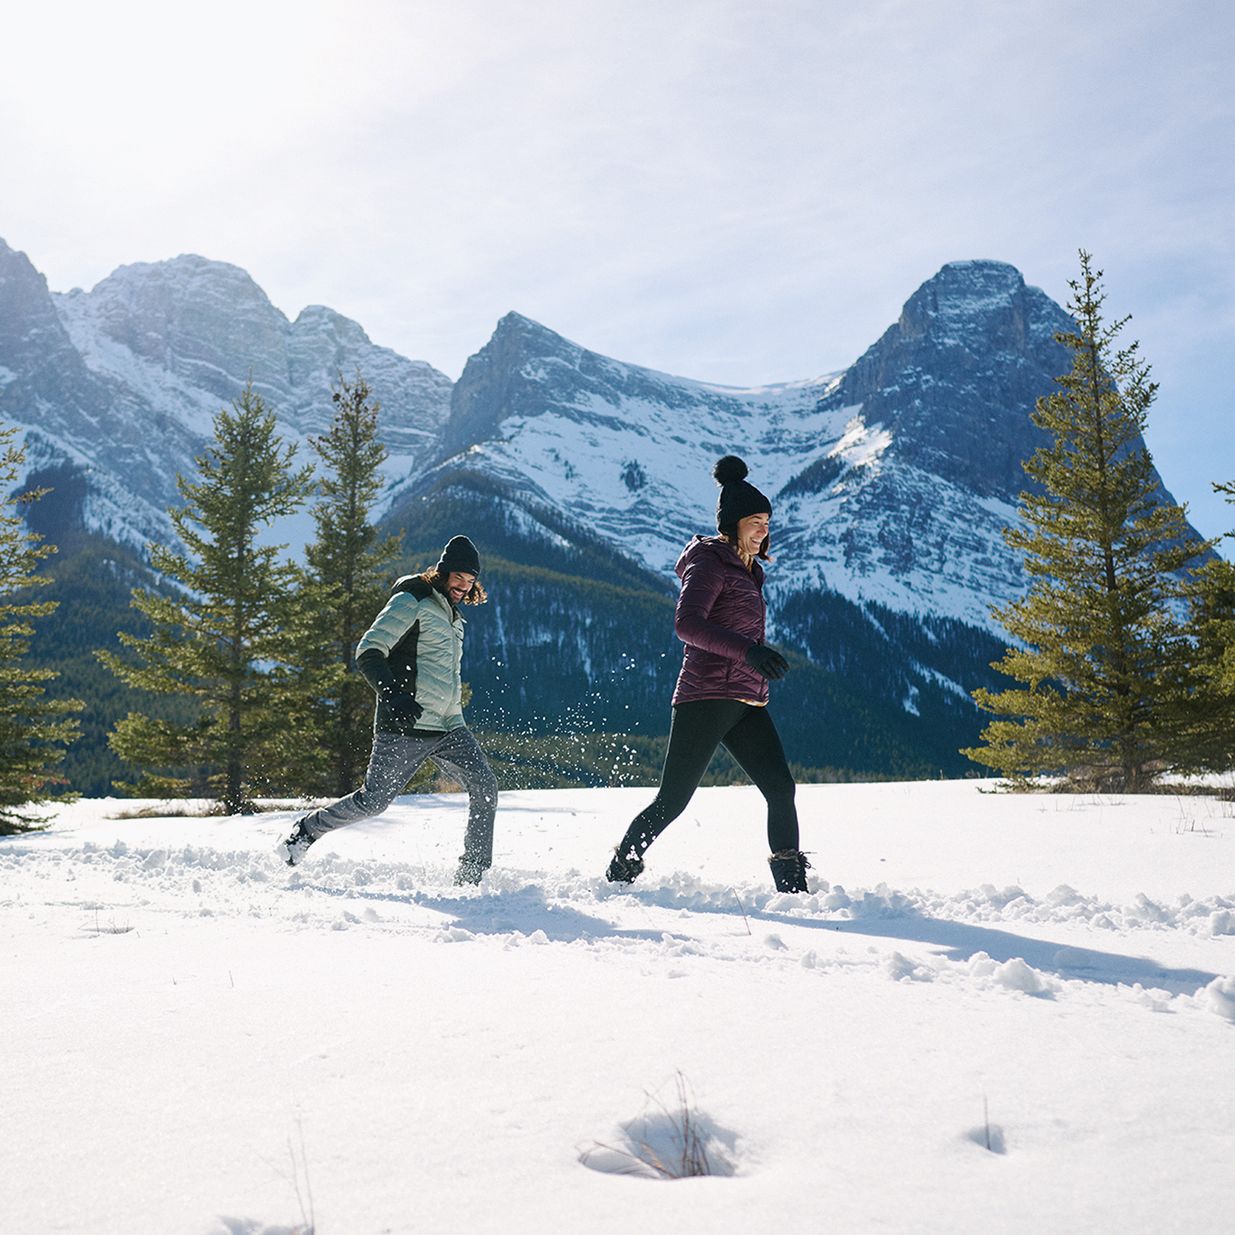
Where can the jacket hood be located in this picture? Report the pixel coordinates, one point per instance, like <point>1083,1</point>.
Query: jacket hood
<point>412,583</point>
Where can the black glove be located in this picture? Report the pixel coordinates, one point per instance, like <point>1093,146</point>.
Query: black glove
<point>401,706</point>
<point>767,661</point>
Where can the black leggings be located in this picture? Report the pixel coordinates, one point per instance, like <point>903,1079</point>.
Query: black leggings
<point>749,735</point>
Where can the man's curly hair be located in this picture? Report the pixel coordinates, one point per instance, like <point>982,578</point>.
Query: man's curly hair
<point>434,578</point>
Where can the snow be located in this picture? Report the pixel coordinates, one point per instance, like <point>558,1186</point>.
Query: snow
<point>574,457</point>
<point>861,445</point>
<point>992,1013</point>
<point>957,570</point>
<point>570,450</point>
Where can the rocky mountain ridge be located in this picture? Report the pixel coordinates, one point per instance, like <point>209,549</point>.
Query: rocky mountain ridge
<point>120,383</point>
<point>891,479</point>
<point>581,477</point>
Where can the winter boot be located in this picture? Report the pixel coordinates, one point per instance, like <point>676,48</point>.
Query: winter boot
<point>624,869</point>
<point>294,847</point>
<point>470,871</point>
<point>789,870</point>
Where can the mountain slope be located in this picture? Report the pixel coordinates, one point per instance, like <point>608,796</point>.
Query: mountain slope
<point>120,383</point>
<point>78,418</point>
<point>891,482</point>
<point>907,509</point>
<point>581,477</point>
<point>616,450</point>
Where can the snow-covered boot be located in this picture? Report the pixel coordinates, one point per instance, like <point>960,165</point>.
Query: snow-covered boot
<point>789,870</point>
<point>293,847</point>
<point>624,869</point>
<point>470,871</point>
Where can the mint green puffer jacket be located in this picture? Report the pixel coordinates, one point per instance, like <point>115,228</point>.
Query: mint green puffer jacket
<point>416,644</point>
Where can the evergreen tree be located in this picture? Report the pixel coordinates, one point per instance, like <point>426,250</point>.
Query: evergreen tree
<point>33,729</point>
<point>348,583</point>
<point>226,642</point>
<point>1103,648</point>
<point>1210,714</point>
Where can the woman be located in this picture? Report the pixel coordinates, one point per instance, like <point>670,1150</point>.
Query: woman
<point>722,690</point>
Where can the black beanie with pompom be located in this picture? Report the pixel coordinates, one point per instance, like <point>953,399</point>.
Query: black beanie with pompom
<point>738,498</point>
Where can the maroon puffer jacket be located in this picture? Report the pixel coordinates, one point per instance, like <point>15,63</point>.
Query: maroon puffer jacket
<point>719,615</point>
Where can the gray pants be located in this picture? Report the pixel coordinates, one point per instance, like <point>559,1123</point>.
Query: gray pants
<point>394,760</point>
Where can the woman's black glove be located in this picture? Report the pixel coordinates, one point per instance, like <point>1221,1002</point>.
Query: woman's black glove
<point>401,706</point>
<point>767,661</point>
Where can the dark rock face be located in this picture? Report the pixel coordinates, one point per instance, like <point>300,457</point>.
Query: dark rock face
<point>494,385</point>
<point>955,378</point>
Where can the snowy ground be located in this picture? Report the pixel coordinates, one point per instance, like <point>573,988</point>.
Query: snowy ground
<point>996,1013</point>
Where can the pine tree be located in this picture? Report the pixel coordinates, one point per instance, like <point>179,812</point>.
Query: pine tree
<point>34,730</point>
<point>1210,712</point>
<point>348,583</point>
<point>224,642</point>
<point>1103,649</point>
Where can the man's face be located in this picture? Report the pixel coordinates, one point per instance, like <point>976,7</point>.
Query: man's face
<point>751,532</point>
<point>458,584</point>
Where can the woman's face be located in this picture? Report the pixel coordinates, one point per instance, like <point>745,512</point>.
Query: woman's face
<point>751,532</point>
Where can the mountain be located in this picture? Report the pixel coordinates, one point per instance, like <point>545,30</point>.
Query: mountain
<point>118,385</point>
<point>891,481</point>
<point>581,477</point>
<point>115,390</point>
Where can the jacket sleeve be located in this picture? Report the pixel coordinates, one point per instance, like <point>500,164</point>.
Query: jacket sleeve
<point>701,585</point>
<point>392,624</point>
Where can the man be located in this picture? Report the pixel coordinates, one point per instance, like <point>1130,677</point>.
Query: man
<point>411,657</point>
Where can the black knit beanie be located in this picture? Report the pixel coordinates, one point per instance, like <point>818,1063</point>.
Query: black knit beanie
<point>459,554</point>
<point>738,498</point>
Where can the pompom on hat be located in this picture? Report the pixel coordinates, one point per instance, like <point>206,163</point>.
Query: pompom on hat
<point>738,497</point>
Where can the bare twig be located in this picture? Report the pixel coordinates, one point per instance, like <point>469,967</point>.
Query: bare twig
<point>745,919</point>
<point>684,1156</point>
<point>309,1219</point>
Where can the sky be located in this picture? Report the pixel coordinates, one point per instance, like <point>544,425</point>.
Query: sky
<point>738,191</point>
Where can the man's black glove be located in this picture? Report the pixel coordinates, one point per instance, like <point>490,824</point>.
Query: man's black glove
<point>767,661</point>
<point>401,706</point>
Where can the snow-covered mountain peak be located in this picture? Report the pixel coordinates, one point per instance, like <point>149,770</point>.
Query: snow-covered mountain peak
<point>955,377</point>
<point>184,269</point>
<point>183,293</point>
<point>977,272</point>
<point>320,319</point>
<point>967,304</point>
<point>206,321</point>
<point>122,382</point>
<point>515,321</point>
